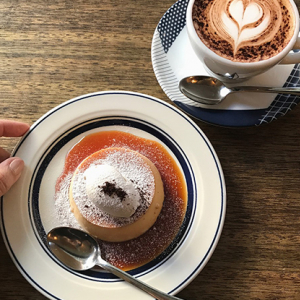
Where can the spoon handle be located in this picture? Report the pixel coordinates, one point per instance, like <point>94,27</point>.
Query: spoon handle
<point>276,90</point>
<point>139,284</point>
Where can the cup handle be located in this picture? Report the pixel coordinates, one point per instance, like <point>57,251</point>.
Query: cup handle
<point>293,57</point>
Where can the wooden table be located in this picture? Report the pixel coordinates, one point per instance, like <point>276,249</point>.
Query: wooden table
<point>52,51</point>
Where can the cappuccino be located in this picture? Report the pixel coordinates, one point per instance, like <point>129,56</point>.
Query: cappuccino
<point>244,30</point>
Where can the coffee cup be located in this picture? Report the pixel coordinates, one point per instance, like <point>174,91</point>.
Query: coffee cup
<point>238,39</point>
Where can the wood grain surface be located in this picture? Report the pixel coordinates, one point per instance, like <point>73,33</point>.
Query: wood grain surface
<point>52,51</point>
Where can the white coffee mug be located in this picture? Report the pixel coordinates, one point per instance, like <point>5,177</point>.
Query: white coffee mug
<point>227,70</point>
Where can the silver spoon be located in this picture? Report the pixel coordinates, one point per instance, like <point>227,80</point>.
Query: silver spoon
<point>211,91</point>
<point>79,251</point>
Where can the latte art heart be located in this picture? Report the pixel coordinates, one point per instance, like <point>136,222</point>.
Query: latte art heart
<point>244,16</point>
<point>241,23</point>
<point>244,30</point>
<point>244,24</point>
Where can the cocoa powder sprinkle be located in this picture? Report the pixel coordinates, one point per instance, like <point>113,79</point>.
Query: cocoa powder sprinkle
<point>110,188</point>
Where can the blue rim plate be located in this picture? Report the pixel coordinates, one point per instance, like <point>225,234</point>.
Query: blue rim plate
<point>174,59</point>
<point>28,211</point>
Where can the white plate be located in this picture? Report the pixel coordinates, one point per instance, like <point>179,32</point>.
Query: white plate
<point>28,208</point>
<point>174,59</point>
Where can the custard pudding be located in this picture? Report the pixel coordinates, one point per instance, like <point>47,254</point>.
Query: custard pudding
<point>116,194</point>
<point>134,253</point>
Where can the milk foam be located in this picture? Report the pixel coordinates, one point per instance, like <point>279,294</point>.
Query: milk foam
<point>232,26</point>
<point>97,177</point>
<point>239,18</point>
<point>244,23</point>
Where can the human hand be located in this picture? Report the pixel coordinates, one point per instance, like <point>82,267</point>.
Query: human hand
<point>10,167</point>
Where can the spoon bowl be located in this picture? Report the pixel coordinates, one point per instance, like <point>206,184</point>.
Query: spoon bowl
<point>75,248</point>
<point>79,251</point>
<point>211,91</point>
<point>203,89</point>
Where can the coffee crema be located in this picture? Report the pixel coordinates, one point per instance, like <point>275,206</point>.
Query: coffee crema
<point>244,30</point>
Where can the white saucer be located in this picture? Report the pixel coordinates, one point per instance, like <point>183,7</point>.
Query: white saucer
<point>28,211</point>
<point>174,59</point>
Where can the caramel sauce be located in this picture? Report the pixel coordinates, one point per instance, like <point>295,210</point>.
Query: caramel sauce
<point>137,252</point>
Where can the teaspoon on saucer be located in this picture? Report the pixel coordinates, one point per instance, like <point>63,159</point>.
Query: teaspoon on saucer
<point>79,251</point>
<point>211,91</point>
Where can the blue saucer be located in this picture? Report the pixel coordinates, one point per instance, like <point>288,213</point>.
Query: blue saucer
<point>174,59</point>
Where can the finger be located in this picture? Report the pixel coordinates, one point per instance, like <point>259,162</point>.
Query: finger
<point>3,154</point>
<point>10,171</point>
<point>11,128</point>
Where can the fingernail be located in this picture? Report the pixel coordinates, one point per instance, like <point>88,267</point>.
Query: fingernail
<point>17,166</point>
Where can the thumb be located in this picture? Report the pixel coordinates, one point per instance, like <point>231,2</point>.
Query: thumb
<point>10,171</point>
